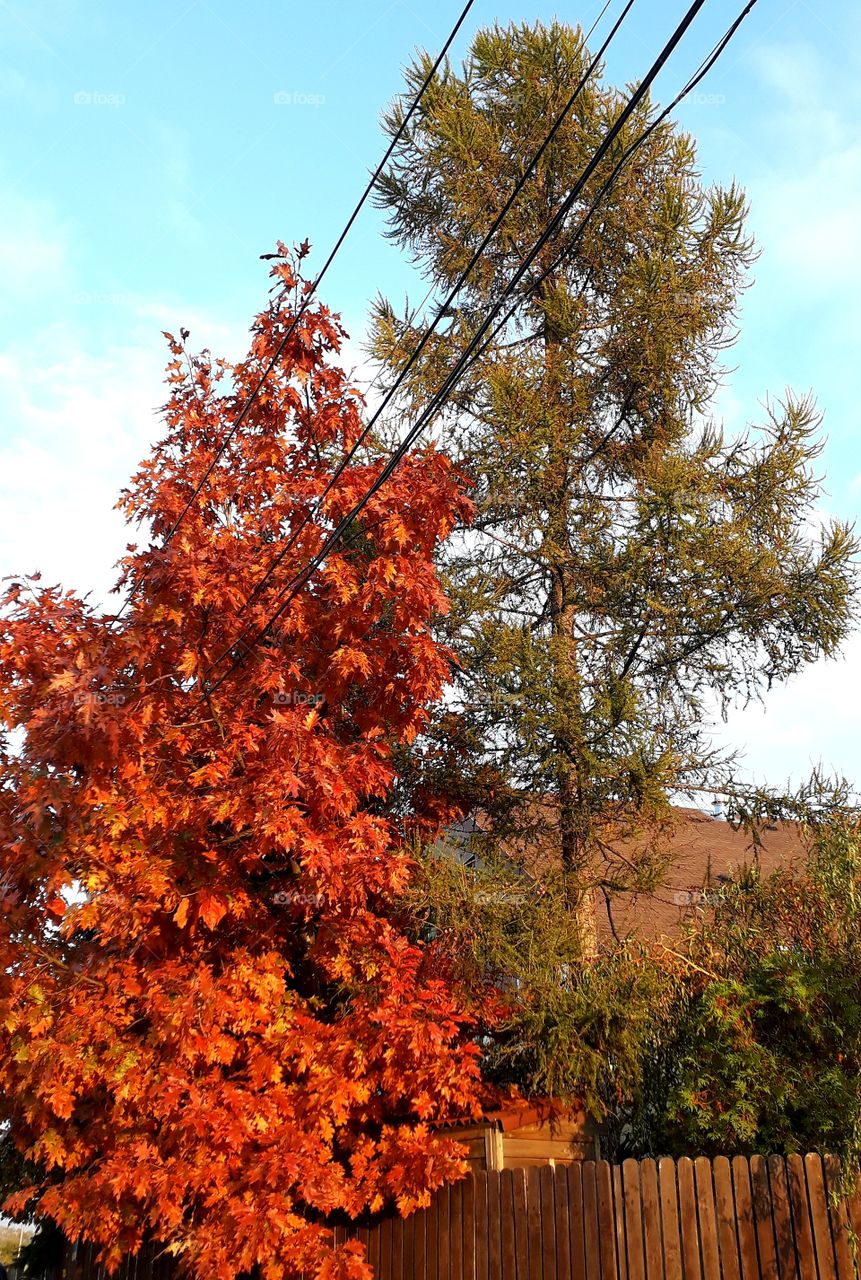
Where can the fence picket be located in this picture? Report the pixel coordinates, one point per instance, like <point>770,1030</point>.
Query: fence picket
<point>619,1213</point>
<point>561,1211</point>
<point>819,1214</point>
<point>397,1248</point>
<point>726,1224</point>
<point>606,1221</point>
<point>633,1220</point>
<point>651,1220</point>
<point>432,1268</point>
<point>688,1220</point>
<point>512,1208</point>
<point>482,1230</point>
<point>494,1251</point>
<point>442,1233</point>
<point>745,1219</point>
<point>386,1249</point>
<point>455,1232</point>
<point>707,1218</point>
<point>408,1248</point>
<point>801,1224</point>
<point>670,1219</point>
<point>468,1229</point>
<point>547,1187</point>
<point>761,1195</point>
<point>783,1229</point>
<point>841,1227</point>
<point>521,1222</point>
<point>591,1223</point>
<point>533,1224</point>
<point>577,1233</point>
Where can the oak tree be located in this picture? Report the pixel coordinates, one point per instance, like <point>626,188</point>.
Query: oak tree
<point>214,1029</point>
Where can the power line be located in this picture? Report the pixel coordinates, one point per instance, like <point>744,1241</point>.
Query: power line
<point>443,309</point>
<point>297,581</point>
<point>375,381</point>
<point>470,354</point>
<point>279,351</point>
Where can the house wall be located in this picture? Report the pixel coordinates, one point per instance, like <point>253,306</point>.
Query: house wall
<point>541,1143</point>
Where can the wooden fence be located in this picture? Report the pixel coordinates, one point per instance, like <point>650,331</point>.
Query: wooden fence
<point>704,1219</point>
<point>757,1219</point>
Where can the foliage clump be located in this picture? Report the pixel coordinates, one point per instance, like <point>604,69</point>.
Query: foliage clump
<point>760,1047</point>
<point>213,1027</point>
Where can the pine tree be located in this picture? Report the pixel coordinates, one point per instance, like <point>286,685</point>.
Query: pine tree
<point>630,566</point>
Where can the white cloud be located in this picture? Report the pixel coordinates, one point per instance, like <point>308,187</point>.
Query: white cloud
<point>80,407</point>
<point>34,257</point>
<point>802,170</point>
<point>793,72</point>
<point>74,431</point>
<point>78,418</point>
<point>811,721</point>
<point>812,221</point>
<point>805,187</point>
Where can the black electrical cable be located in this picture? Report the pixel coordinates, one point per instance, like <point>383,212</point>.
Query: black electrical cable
<point>444,307</point>
<point>470,354</point>
<point>279,351</point>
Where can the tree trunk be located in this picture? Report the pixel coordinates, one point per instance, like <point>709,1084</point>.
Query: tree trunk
<point>573,809</point>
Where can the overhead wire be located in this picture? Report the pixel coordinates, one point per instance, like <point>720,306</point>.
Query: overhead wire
<point>444,307</point>
<point>469,355</point>
<point>282,345</point>
<point>375,382</point>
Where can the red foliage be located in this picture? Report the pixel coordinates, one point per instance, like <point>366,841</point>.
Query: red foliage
<point>213,1027</point>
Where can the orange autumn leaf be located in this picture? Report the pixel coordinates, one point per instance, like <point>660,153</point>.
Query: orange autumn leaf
<point>211,910</point>
<point>225,1036</point>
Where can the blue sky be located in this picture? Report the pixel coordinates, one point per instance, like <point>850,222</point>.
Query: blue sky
<point>152,152</point>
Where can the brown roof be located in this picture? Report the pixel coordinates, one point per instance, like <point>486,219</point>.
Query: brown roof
<point>519,1115</point>
<point>513,1113</point>
<point>703,853</point>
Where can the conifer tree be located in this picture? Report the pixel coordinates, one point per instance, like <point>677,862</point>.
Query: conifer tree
<point>631,566</point>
